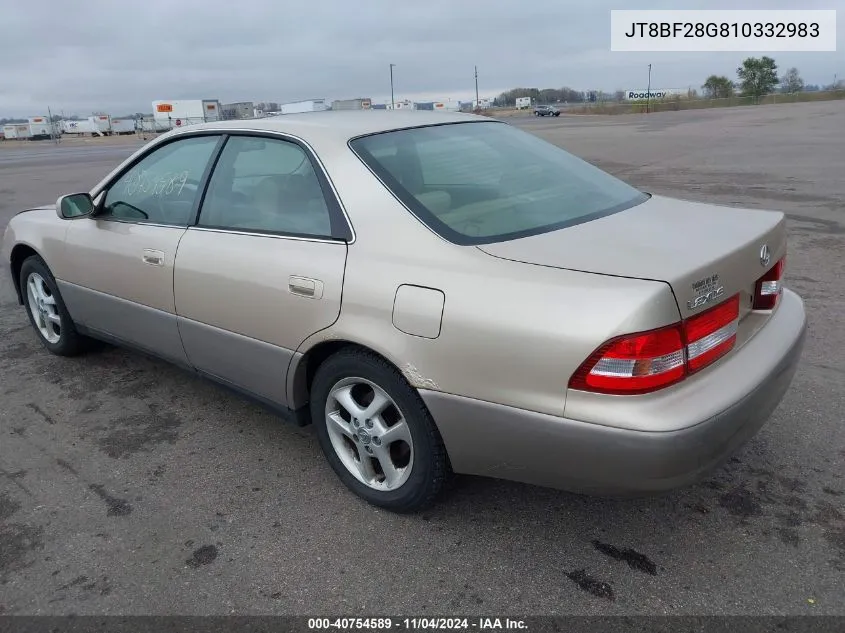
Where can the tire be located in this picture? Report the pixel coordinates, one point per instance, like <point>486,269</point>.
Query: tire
<point>61,339</point>
<point>420,469</point>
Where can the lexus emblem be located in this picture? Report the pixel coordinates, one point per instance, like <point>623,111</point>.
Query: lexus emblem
<point>765,257</point>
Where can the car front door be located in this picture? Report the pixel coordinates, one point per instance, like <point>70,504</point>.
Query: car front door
<point>263,268</point>
<point>118,275</point>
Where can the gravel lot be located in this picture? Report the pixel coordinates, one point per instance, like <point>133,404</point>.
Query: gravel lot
<point>130,487</point>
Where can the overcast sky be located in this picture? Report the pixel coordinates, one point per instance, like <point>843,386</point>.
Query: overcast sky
<point>118,56</point>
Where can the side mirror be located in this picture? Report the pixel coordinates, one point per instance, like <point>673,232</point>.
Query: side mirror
<point>74,205</point>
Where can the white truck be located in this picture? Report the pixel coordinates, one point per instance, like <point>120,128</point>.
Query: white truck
<point>151,124</point>
<point>12,131</point>
<point>96,125</point>
<point>361,103</point>
<point>309,105</point>
<point>122,126</point>
<point>446,106</point>
<point>78,127</point>
<point>178,113</point>
<point>405,104</point>
<point>39,127</point>
<point>101,123</point>
<point>523,102</point>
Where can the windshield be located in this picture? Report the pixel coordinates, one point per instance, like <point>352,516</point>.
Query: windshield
<point>477,183</point>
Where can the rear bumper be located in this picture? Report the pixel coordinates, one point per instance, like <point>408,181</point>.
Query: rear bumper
<point>492,440</point>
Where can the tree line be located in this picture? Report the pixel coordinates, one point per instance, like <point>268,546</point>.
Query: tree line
<point>759,76</point>
<point>755,77</point>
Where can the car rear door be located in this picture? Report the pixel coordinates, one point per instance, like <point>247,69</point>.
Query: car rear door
<point>263,268</point>
<point>117,279</point>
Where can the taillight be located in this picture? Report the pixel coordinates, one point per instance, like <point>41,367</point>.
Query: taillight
<point>637,363</point>
<point>648,361</point>
<point>769,287</point>
<point>712,334</point>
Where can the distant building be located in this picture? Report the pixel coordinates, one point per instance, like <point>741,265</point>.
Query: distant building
<point>239,110</point>
<point>352,104</point>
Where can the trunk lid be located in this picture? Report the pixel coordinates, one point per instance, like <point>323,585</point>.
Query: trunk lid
<point>706,253</point>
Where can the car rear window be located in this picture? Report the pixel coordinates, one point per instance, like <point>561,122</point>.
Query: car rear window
<point>483,182</point>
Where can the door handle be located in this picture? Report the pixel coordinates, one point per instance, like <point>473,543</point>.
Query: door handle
<point>305,287</point>
<point>153,257</point>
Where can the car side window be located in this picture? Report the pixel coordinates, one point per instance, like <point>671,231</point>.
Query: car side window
<point>265,185</point>
<point>163,187</point>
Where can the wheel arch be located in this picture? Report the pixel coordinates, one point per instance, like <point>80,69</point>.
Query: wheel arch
<point>304,367</point>
<point>19,255</point>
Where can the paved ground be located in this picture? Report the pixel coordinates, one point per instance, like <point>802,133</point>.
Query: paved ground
<point>128,486</point>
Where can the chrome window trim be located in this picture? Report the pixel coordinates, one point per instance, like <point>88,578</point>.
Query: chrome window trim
<point>106,218</point>
<point>277,236</point>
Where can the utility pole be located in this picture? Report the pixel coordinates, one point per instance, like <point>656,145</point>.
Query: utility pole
<point>477,104</point>
<point>392,102</point>
<point>648,92</point>
<point>52,129</point>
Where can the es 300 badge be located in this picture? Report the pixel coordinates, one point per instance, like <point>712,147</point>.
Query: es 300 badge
<point>706,291</point>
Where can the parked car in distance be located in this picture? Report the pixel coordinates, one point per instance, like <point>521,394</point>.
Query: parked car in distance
<point>437,293</point>
<point>546,110</point>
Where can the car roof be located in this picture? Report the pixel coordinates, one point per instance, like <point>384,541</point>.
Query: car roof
<point>339,126</point>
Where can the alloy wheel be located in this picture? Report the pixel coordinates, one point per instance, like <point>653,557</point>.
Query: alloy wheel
<point>369,433</point>
<point>42,306</point>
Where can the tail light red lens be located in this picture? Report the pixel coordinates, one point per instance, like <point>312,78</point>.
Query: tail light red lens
<point>769,287</point>
<point>712,334</point>
<point>637,363</point>
<point>648,361</point>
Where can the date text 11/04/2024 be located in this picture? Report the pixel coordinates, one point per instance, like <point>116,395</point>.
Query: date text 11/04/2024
<point>724,29</point>
<point>416,624</point>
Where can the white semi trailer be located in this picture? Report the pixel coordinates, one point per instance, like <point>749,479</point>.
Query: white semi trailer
<point>309,105</point>
<point>178,113</point>
<point>123,126</point>
<point>40,127</point>
<point>79,128</point>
